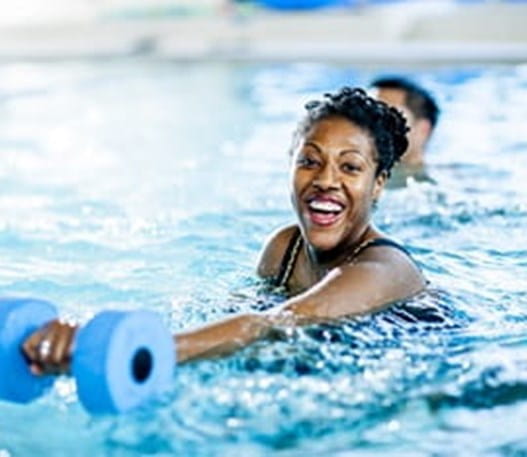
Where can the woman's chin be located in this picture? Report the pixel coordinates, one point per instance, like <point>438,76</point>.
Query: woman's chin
<point>322,241</point>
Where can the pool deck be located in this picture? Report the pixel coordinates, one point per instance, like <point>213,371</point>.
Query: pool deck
<point>438,33</point>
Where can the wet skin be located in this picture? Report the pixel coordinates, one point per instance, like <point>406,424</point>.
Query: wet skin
<point>333,188</point>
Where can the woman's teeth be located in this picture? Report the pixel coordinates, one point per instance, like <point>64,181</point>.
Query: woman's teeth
<point>325,206</point>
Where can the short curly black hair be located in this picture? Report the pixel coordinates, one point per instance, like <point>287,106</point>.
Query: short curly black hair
<point>386,125</point>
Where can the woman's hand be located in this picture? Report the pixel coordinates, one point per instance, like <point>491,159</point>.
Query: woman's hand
<point>49,349</point>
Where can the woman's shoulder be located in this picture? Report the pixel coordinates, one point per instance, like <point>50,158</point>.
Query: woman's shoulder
<point>393,266</point>
<point>274,249</point>
<point>384,249</point>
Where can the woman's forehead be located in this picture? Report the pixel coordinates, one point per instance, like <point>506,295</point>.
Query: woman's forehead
<point>338,129</point>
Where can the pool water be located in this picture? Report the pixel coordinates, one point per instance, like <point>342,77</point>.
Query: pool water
<point>140,184</point>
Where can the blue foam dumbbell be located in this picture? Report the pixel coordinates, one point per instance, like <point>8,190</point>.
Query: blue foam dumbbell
<point>19,317</point>
<point>120,359</point>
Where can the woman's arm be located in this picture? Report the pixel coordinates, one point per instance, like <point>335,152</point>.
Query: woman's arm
<point>382,276</point>
<point>223,337</point>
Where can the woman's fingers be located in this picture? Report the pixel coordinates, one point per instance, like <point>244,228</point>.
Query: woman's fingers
<point>49,348</point>
<point>30,348</point>
<point>62,355</point>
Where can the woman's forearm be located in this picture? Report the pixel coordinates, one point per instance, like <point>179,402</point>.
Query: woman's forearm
<point>222,338</point>
<point>233,333</point>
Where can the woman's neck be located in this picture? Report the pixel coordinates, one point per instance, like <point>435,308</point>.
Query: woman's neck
<point>323,261</point>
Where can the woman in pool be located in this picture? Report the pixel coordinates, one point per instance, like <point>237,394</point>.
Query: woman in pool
<point>333,262</point>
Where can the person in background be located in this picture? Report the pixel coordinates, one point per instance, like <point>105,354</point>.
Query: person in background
<point>421,111</point>
<point>332,262</point>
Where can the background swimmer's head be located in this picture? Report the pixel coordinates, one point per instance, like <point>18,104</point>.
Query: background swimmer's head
<point>416,98</point>
<point>417,105</point>
<point>386,126</point>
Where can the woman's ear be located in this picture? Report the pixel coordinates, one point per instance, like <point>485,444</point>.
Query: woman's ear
<point>378,185</point>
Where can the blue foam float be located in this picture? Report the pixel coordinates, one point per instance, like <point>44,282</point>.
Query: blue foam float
<point>121,359</point>
<point>19,317</point>
<point>302,4</point>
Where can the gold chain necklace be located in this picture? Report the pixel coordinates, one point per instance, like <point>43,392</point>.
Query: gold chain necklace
<point>298,243</point>
<point>351,258</point>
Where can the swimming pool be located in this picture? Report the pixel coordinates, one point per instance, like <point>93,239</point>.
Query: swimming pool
<point>129,184</point>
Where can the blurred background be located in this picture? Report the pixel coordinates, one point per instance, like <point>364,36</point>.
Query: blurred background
<point>347,30</point>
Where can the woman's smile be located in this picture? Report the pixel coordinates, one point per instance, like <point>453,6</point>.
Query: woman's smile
<point>324,211</point>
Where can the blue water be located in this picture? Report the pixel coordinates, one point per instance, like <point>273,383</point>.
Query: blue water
<point>136,184</point>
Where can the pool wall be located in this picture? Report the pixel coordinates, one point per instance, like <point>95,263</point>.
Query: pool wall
<point>410,32</point>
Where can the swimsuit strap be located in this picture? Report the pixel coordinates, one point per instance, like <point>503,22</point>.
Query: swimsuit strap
<point>295,243</point>
<point>289,259</point>
<point>372,242</point>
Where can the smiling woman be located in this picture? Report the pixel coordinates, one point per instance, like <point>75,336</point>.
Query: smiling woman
<point>343,152</point>
<point>334,262</point>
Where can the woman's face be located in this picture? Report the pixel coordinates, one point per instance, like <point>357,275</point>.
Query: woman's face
<point>333,182</point>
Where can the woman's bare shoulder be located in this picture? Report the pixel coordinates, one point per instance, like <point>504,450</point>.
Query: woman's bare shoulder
<point>378,277</point>
<point>393,269</point>
<point>273,251</point>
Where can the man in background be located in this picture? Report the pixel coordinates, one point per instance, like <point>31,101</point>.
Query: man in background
<point>421,112</point>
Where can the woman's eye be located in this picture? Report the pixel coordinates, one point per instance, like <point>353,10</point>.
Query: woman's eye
<point>307,162</point>
<point>350,168</point>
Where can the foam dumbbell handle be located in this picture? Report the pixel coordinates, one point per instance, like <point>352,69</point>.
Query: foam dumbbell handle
<point>121,359</point>
<point>19,317</point>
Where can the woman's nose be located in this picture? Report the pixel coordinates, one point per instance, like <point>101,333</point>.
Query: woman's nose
<point>327,177</point>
